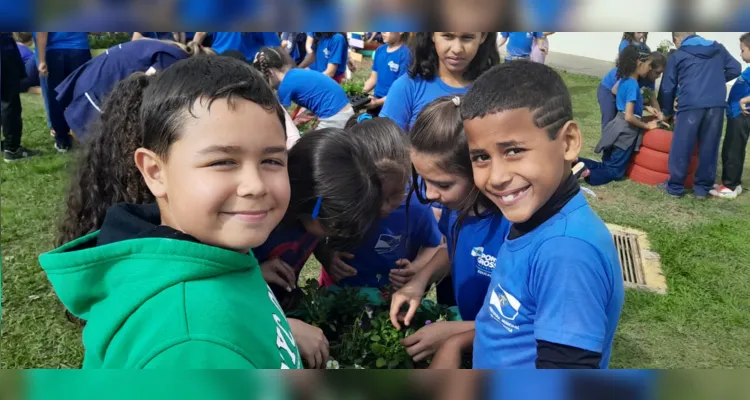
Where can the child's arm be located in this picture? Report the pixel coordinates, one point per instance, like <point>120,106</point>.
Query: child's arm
<point>370,82</point>
<point>136,36</point>
<point>732,67</point>
<point>309,43</point>
<point>449,354</point>
<point>745,105</point>
<point>633,120</point>
<point>504,38</point>
<point>309,59</point>
<point>575,318</point>
<point>41,46</point>
<point>179,37</point>
<point>668,87</point>
<point>331,70</point>
<point>427,340</point>
<point>199,36</point>
<point>413,292</point>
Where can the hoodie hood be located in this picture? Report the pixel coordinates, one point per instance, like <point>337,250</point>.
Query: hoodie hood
<point>700,47</point>
<point>111,272</point>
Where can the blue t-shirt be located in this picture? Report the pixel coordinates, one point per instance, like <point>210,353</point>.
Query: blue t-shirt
<point>314,91</point>
<point>473,259</point>
<point>158,35</point>
<point>65,40</point>
<point>289,243</point>
<point>389,66</point>
<point>561,283</point>
<point>627,91</point>
<point>395,238</point>
<point>407,97</point>
<point>740,89</point>
<point>519,43</point>
<point>248,43</point>
<point>610,79</point>
<point>332,50</point>
<point>623,45</point>
<point>26,53</point>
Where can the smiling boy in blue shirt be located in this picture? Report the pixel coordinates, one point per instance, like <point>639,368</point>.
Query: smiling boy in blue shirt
<point>557,291</point>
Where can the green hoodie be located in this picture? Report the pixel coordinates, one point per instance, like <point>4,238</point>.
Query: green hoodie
<point>153,297</point>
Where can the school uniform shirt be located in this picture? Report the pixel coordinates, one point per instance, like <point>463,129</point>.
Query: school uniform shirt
<point>83,92</point>
<point>332,50</point>
<point>289,242</point>
<point>65,41</point>
<point>399,235</point>
<point>154,297</point>
<point>701,68</point>
<point>740,89</point>
<point>610,80</point>
<point>408,96</point>
<point>474,257</point>
<point>26,53</point>
<point>559,283</point>
<point>629,91</point>
<point>519,43</point>
<point>623,45</point>
<point>312,90</point>
<point>248,43</point>
<point>389,66</point>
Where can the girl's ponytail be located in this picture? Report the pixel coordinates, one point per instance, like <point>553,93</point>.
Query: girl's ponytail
<point>106,173</point>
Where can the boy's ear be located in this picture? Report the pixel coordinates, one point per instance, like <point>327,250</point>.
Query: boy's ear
<point>570,134</point>
<point>152,170</point>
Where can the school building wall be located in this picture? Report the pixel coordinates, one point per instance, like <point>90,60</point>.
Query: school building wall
<point>603,45</point>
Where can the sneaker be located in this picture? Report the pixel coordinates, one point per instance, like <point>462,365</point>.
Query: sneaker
<point>61,149</point>
<point>724,192</point>
<point>20,154</point>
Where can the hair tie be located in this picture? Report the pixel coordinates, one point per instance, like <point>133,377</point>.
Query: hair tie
<point>316,210</point>
<point>363,117</point>
<point>456,101</point>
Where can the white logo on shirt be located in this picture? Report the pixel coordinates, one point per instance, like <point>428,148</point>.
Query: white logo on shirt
<point>504,308</point>
<point>387,243</point>
<point>528,35</point>
<point>485,262</point>
<point>326,52</point>
<point>393,66</point>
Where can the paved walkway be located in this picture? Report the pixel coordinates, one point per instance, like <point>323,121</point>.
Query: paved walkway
<point>578,64</point>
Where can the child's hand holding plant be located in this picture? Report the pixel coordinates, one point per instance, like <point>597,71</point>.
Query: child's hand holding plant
<point>411,294</point>
<point>311,342</point>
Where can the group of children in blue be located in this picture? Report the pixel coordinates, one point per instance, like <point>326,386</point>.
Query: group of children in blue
<point>458,177</point>
<point>696,72</point>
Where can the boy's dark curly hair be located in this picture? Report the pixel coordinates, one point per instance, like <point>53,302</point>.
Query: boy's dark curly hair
<point>627,61</point>
<point>106,173</point>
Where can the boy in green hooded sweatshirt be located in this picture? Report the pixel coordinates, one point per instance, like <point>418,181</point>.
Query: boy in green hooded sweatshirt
<point>172,284</point>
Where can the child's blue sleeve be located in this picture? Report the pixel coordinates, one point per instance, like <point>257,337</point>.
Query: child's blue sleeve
<point>732,67</point>
<point>668,87</point>
<point>405,61</point>
<point>623,45</point>
<point>629,90</point>
<point>426,232</point>
<point>375,59</point>
<point>398,105</point>
<point>571,289</point>
<point>505,34</point>
<point>538,35</point>
<point>285,93</point>
<point>338,50</point>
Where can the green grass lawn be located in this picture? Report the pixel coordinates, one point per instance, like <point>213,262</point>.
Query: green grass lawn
<point>702,323</point>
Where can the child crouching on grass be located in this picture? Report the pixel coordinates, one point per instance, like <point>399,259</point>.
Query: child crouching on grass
<point>557,291</point>
<point>406,235</point>
<point>623,135</point>
<point>162,285</point>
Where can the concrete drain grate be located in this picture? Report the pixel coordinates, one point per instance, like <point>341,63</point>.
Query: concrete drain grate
<point>641,268</point>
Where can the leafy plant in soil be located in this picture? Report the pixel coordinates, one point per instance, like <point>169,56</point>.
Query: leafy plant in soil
<point>353,88</point>
<point>359,329</point>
